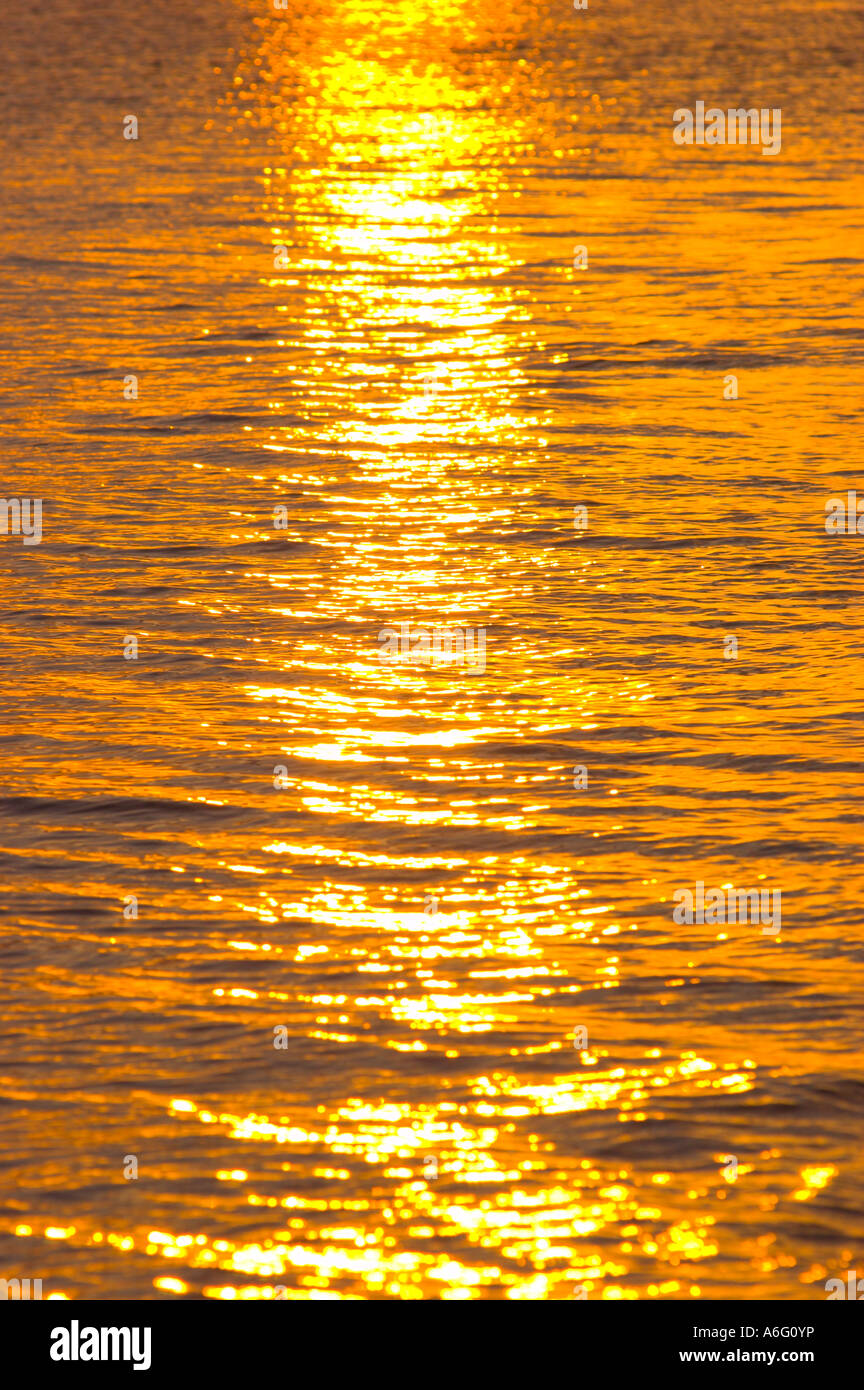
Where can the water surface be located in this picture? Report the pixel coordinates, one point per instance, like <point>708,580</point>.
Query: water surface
<point>426,910</point>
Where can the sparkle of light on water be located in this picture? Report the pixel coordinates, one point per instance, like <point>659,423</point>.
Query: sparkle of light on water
<point>425,910</point>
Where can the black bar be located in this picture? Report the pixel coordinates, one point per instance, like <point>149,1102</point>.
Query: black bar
<point>590,1338</point>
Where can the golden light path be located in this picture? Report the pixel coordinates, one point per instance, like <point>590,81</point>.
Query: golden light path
<point>346,1021</point>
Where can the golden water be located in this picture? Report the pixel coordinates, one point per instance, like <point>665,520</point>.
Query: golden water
<point>428,907</point>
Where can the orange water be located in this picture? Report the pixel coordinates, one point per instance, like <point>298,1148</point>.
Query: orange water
<point>427,907</point>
